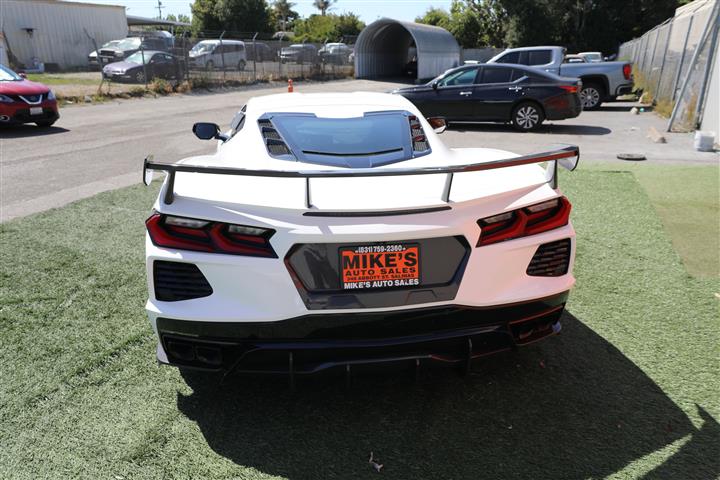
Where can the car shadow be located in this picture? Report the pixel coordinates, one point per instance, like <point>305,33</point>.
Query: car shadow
<point>617,108</point>
<point>571,407</point>
<point>551,128</point>
<point>26,131</point>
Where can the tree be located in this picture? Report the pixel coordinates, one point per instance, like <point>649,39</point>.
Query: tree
<point>323,5</point>
<point>583,24</point>
<point>204,17</point>
<point>231,15</point>
<point>493,19</point>
<point>474,23</point>
<point>435,16</point>
<point>284,15</point>
<point>575,24</point>
<point>319,28</point>
<point>347,25</point>
<point>182,18</point>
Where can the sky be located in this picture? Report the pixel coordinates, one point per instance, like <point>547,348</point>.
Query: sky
<point>367,10</point>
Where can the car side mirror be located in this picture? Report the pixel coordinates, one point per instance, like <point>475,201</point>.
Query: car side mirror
<point>208,131</point>
<point>435,85</point>
<point>439,124</point>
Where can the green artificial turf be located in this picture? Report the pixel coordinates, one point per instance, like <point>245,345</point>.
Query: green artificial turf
<point>628,390</point>
<point>687,198</point>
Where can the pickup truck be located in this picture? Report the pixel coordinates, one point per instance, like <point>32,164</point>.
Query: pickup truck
<point>601,82</point>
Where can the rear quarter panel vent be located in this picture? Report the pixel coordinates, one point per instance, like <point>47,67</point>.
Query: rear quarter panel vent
<point>175,281</point>
<point>551,259</point>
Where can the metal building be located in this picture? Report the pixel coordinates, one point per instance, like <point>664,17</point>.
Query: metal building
<point>57,33</point>
<point>388,48</point>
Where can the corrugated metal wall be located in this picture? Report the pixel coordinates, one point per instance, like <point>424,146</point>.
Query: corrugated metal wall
<point>382,49</point>
<point>58,29</point>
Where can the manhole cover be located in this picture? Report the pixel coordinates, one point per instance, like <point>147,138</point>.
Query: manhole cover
<point>635,157</point>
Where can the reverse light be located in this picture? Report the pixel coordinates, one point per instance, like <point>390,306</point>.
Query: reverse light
<point>183,233</point>
<point>184,222</point>
<point>522,222</point>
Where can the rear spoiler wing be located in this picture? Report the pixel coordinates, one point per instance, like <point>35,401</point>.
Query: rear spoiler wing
<point>568,157</point>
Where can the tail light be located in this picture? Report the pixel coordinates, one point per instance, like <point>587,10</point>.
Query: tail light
<point>205,236</point>
<point>627,71</point>
<point>570,88</point>
<point>530,220</point>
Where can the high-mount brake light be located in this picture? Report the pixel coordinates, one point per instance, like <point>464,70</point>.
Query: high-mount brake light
<point>205,236</point>
<point>522,222</point>
<point>570,88</point>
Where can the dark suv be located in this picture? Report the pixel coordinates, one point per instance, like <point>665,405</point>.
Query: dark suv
<point>127,46</point>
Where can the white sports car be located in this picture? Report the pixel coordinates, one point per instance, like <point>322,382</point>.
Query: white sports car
<point>332,230</point>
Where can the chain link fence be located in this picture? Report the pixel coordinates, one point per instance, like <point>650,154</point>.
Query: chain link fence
<point>673,60</point>
<point>222,58</point>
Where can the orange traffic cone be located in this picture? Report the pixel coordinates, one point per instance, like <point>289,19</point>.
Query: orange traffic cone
<point>290,85</point>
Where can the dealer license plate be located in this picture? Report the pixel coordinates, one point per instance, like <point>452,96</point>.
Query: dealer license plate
<point>36,111</point>
<point>380,266</point>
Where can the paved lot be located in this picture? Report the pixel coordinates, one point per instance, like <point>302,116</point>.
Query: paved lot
<point>100,147</point>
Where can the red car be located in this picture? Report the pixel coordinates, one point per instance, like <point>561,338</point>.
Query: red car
<point>23,101</point>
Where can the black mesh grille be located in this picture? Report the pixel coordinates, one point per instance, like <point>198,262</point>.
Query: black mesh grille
<point>273,141</point>
<point>551,259</point>
<point>179,281</point>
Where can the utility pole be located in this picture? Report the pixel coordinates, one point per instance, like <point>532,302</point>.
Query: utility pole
<point>159,7</point>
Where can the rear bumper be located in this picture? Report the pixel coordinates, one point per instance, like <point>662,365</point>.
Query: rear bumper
<point>563,107</point>
<point>625,89</point>
<point>316,342</point>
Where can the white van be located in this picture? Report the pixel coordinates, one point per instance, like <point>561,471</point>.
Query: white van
<point>208,54</point>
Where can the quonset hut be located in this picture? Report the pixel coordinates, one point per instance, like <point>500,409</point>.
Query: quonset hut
<point>393,48</point>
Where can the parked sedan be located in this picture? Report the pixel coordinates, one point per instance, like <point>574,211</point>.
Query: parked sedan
<point>23,101</point>
<point>299,53</point>
<point>335,53</point>
<point>157,65</point>
<point>517,94</point>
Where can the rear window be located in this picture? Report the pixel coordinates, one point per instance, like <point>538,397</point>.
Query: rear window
<point>512,57</point>
<point>539,57</point>
<point>528,57</point>
<point>346,141</point>
<point>496,75</point>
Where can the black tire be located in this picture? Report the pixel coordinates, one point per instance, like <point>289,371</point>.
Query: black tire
<point>45,123</point>
<point>527,116</point>
<point>592,96</point>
